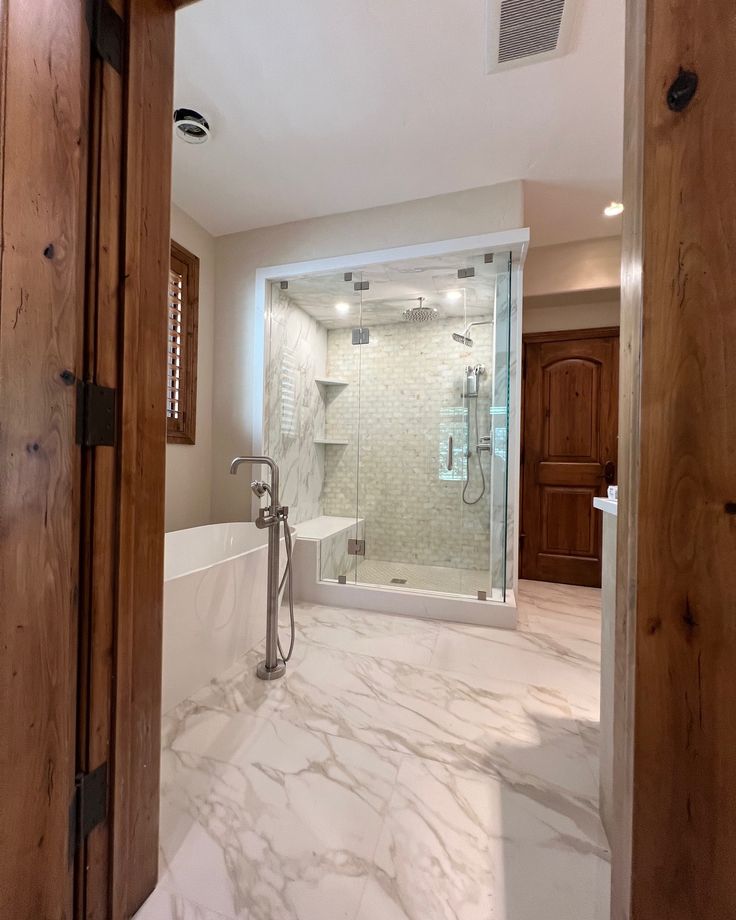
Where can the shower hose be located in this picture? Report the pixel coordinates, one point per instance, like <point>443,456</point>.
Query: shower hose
<point>287,574</point>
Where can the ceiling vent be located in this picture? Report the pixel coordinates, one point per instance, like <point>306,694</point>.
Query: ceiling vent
<point>527,31</point>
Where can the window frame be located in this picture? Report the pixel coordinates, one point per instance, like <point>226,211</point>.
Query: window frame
<point>183,429</point>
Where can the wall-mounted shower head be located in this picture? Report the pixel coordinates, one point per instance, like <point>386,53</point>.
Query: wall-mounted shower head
<point>464,338</point>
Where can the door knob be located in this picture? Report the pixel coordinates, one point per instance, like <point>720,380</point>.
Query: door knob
<point>609,472</point>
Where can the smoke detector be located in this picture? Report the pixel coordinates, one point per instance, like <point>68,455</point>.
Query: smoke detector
<point>191,126</point>
<point>523,32</point>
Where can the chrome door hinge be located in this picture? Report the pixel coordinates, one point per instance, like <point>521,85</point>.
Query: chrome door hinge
<point>356,547</point>
<point>361,335</point>
<point>88,807</point>
<point>96,415</point>
<point>107,33</point>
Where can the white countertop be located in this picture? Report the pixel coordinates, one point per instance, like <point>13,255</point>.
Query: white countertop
<point>608,505</point>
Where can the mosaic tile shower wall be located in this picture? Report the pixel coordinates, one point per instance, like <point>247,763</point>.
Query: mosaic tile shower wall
<point>405,387</point>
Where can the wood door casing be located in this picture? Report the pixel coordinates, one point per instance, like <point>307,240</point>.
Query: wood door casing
<point>570,412</point>
<point>44,78</point>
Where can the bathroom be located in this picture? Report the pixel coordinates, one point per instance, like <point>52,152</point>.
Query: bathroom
<point>366,712</point>
<point>415,700</point>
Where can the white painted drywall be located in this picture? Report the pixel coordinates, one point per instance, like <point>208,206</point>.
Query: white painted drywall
<point>571,316</point>
<point>189,466</point>
<point>236,422</point>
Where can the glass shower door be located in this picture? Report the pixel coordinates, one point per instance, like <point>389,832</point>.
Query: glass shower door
<point>431,476</point>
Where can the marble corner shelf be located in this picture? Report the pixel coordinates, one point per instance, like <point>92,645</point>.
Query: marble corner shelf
<point>330,382</point>
<point>341,441</point>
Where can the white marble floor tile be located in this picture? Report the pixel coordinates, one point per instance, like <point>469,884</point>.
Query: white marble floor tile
<point>568,667</point>
<point>402,769</point>
<point>461,844</point>
<point>366,633</point>
<point>265,820</point>
<point>522,733</point>
<point>165,905</point>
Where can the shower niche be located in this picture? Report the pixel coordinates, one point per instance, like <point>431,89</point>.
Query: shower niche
<point>388,407</point>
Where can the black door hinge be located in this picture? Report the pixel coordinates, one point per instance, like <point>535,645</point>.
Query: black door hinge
<point>88,808</point>
<point>107,32</point>
<point>96,413</point>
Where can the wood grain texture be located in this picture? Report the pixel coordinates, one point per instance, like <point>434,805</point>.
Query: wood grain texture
<point>677,537</point>
<point>569,433</point>
<point>143,452</point>
<point>100,467</point>
<point>43,125</point>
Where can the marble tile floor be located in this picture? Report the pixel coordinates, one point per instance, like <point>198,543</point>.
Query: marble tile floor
<point>442,578</point>
<point>403,770</point>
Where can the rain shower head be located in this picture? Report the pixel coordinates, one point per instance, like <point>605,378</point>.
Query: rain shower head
<point>463,338</point>
<point>420,314</point>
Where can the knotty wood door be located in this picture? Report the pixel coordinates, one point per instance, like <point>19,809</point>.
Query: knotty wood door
<point>570,412</point>
<point>44,77</point>
<point>85,145</point>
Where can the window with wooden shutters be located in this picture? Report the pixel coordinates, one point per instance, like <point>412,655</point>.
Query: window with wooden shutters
<point>181,346</point>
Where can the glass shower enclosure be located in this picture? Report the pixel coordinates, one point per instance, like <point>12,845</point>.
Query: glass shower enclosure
<point>411,413</point>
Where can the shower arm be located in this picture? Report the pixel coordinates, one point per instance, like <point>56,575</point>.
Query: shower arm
<point>483,322</point>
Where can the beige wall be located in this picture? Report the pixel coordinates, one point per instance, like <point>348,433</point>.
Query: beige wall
<point>570,316</point>
<point>189,466</point>
<point>237,420</point>
<point>572,285</point>
<point>585,265</point>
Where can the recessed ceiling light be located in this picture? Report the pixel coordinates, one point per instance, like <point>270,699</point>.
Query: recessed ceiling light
<point>454,296</point>
<point>342,308</point>
<point>613,209</point>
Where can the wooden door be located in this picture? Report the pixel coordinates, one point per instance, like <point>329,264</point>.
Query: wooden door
<point>85,155</point>
<point>44,82</point>
<point>570,425</point>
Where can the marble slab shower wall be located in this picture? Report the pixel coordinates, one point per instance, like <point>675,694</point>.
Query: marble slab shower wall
<point>408,376</point>
<point>294,410</point>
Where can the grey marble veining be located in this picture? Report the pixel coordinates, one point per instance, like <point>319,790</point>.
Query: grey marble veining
<point>385,779</point>
<point>294,409</point>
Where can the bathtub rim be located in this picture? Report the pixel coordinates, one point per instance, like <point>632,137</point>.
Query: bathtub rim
<point>212,565</point>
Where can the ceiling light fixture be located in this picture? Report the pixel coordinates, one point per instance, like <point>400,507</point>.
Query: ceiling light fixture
<point>613,209</point>
<point>342,308</point>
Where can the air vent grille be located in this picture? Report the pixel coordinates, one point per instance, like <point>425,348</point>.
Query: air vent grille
<point>527,31</point>
<point>529,27</point>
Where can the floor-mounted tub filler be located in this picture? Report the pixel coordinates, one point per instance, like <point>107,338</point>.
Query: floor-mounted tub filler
<point>270,518</point>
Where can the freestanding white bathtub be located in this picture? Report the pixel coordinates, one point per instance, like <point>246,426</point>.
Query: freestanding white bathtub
<point>215,580</point>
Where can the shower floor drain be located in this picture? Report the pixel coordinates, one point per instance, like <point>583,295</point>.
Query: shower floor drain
<point>398,581</point>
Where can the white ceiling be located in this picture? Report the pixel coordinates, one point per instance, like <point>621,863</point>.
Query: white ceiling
<point>396,286</point>
<point>326,106</point>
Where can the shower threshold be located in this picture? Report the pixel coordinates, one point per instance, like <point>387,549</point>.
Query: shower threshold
<point>432,592</point>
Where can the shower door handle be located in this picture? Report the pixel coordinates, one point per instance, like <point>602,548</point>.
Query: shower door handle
<point>450,460</point>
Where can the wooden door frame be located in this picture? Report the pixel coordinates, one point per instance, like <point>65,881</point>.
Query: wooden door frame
<point>675,693</point>
<point>557,335</point>
<point>675,737</point>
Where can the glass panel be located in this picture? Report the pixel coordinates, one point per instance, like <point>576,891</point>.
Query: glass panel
<point>340,394</point>
<point>499,428</point>
<point>473,356</point>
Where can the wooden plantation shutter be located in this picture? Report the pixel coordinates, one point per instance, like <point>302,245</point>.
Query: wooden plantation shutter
<point>181,348</point>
